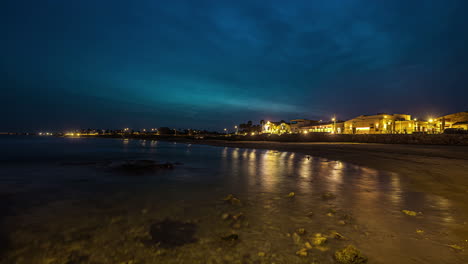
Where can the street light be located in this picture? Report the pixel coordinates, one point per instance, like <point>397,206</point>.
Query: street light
<point>225,131</point>
<point>236,129</point>
<point>334,124</point>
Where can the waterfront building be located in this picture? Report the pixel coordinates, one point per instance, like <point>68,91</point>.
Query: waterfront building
<point>298,124</point>
<point>383,124</point>
<point>324,127</point>
<point>277,128</point>
<point>456,120</point>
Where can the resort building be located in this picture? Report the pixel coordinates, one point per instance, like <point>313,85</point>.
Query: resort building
<point>327,127</point>
<point>457,120</point>
<point>298,124</point>
<point>384,124</point>
<point>381,123</point>
<point>277,128</point>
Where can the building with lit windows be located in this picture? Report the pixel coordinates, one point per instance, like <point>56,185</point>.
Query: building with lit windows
<point>324,127</point>
<point>298,124</point>
<point>385,124</point>
<point>277,128</point>
<point>457,120</point>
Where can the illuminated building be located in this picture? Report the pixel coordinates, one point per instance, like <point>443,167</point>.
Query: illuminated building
<point>298,124</point>
<point>277,128</point>
<point>327,127</point>
<point>384,124</point>
<point>457,121</point>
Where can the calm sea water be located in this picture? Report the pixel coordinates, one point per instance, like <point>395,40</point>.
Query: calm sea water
<point>62,201</point>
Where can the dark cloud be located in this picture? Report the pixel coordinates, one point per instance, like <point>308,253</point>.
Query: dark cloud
<point>214,63</point>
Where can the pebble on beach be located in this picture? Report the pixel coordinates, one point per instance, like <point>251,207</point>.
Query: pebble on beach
<point>302,252</point>
<point>301,231</point>
<point>319,239</point>
<point>350,255</point>
<point>296,238</point>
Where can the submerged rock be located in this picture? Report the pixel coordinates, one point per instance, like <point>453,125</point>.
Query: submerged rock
<point>328,196</point>
<point>411,213</point>
<point>301,231</point>
<point>225,216</point>
<point>350,255</point>
<point>230,237</point>
<point>457,247</point>
<point>171,234</point>
<point>139,165</point>
<point>336,235</point>
<point>232,200</point>
<point>296,238</point>
<point>238,216</point>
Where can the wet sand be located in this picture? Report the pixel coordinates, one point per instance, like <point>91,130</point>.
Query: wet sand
<point>439,170</point>
<point>442,170</point>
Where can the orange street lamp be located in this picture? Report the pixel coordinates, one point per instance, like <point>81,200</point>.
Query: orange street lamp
<point>334,124</point>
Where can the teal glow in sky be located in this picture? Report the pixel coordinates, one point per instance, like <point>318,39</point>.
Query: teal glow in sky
<point>213,64</point>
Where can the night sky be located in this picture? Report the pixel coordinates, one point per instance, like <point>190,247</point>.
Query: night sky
<point>214,64</point>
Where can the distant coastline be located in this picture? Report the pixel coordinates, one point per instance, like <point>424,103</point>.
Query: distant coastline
<point>407,139</point>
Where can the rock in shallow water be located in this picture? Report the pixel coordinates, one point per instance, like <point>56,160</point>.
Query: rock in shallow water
<point>230,237</point>
<point>233,200</point>
<point>139,165</point>
<point>171,234</point>
<point>411,213</point>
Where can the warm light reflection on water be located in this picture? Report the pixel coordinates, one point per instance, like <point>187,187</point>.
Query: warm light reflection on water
<point>269,170</point>
<point>366,189</point>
